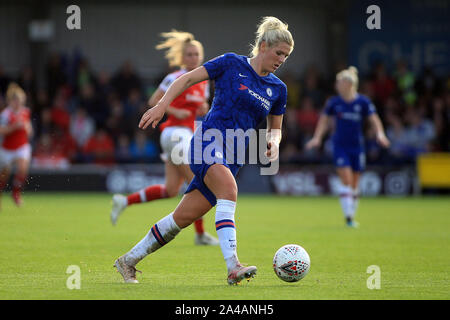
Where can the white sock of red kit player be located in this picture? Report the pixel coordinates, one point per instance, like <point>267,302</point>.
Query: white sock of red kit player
<point>346,199</point>
<point>159,235</point>
<point>226,231</point>
<point>150,193</point>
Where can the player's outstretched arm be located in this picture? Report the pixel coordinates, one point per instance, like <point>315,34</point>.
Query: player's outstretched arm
<point>273,136</point>
<point>321,129</point>
<point>7,129</point>
<point>381,136</point>
<point>154,115</point>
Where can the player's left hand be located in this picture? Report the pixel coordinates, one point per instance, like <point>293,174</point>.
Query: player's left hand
<point>383,140</point>
<point>272,151</point>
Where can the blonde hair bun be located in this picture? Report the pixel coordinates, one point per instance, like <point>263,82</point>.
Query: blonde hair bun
<point>350,74</point>
<point>271,30</point>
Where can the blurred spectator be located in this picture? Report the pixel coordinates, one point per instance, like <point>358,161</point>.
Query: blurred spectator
<point>123,154</point>
<point>45,125</point>
<point>307,117</point>
<point>84,75</point>
<point>82,127</point>
<point>45,155</point>
<point>104,88</point>
<point>55,75</point>
<point>291,141</point>
<point>294,92</point>
<point>142,149</point>
<point>133,104</point>
<point>420,131</point>
<point>428,85</point>
<point>96,108</point>
<point>125,80</point>
<point>64,144</point>
<point>383,85</point>
<point>59,115</point>
<point>116,123</point>
<point>42,102</point>
<point>366,87</point>
<point>99,148</point>
<point>405,82</point>
<point>311,87</point>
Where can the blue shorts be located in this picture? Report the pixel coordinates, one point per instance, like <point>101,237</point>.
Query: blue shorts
<point>356,158</point>
<point>199,167</point>
<point>199,171</point>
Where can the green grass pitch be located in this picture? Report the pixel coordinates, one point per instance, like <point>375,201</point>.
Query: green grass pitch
<point>408,238</point>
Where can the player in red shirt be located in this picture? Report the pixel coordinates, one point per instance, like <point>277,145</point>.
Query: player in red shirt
<point>15,149</point>
<point>185,52</point>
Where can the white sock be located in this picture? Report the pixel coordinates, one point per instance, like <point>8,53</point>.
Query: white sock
<point>355,200</point>
<point>346,199</point>
<point>226,231</point>
<point>160,234</point>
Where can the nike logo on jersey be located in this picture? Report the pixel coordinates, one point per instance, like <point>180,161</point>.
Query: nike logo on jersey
<point>241,75</point>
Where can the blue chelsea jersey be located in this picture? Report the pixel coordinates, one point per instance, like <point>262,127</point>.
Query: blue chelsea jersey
<point>349,120</point>
<point>242,98</point>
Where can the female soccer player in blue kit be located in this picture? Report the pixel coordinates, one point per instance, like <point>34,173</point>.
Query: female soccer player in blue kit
<point>246,93</point>
<point>349,109</point>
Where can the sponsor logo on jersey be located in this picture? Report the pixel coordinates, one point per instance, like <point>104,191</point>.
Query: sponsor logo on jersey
<point>350,116</point>
<point>264,102</point>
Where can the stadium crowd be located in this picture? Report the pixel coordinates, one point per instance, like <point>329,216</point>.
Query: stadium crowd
<point>82,116</point>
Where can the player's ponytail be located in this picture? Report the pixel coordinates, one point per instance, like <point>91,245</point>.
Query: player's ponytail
<point>14,91</point>
<point>271,30</point>
<point>350,74</point>
<point>175,43</point>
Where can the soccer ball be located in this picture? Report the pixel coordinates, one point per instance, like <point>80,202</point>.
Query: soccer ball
<point>291,263</point>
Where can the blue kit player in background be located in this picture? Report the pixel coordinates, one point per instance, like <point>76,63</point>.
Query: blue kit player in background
<point>246,93</point>
<point>349,109</point>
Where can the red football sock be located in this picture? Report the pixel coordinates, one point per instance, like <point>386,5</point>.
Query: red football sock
<point>198,225</point>
<point>148,194</point>
<point>18,183</point>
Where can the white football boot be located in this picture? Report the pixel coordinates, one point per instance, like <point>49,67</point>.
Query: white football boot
<point>119,204</point>
<point>128,272</point>
<point>240,273</point>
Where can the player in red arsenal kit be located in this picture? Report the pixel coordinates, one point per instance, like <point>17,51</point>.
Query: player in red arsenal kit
<point>15,149</point>
<point>186,53</point>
